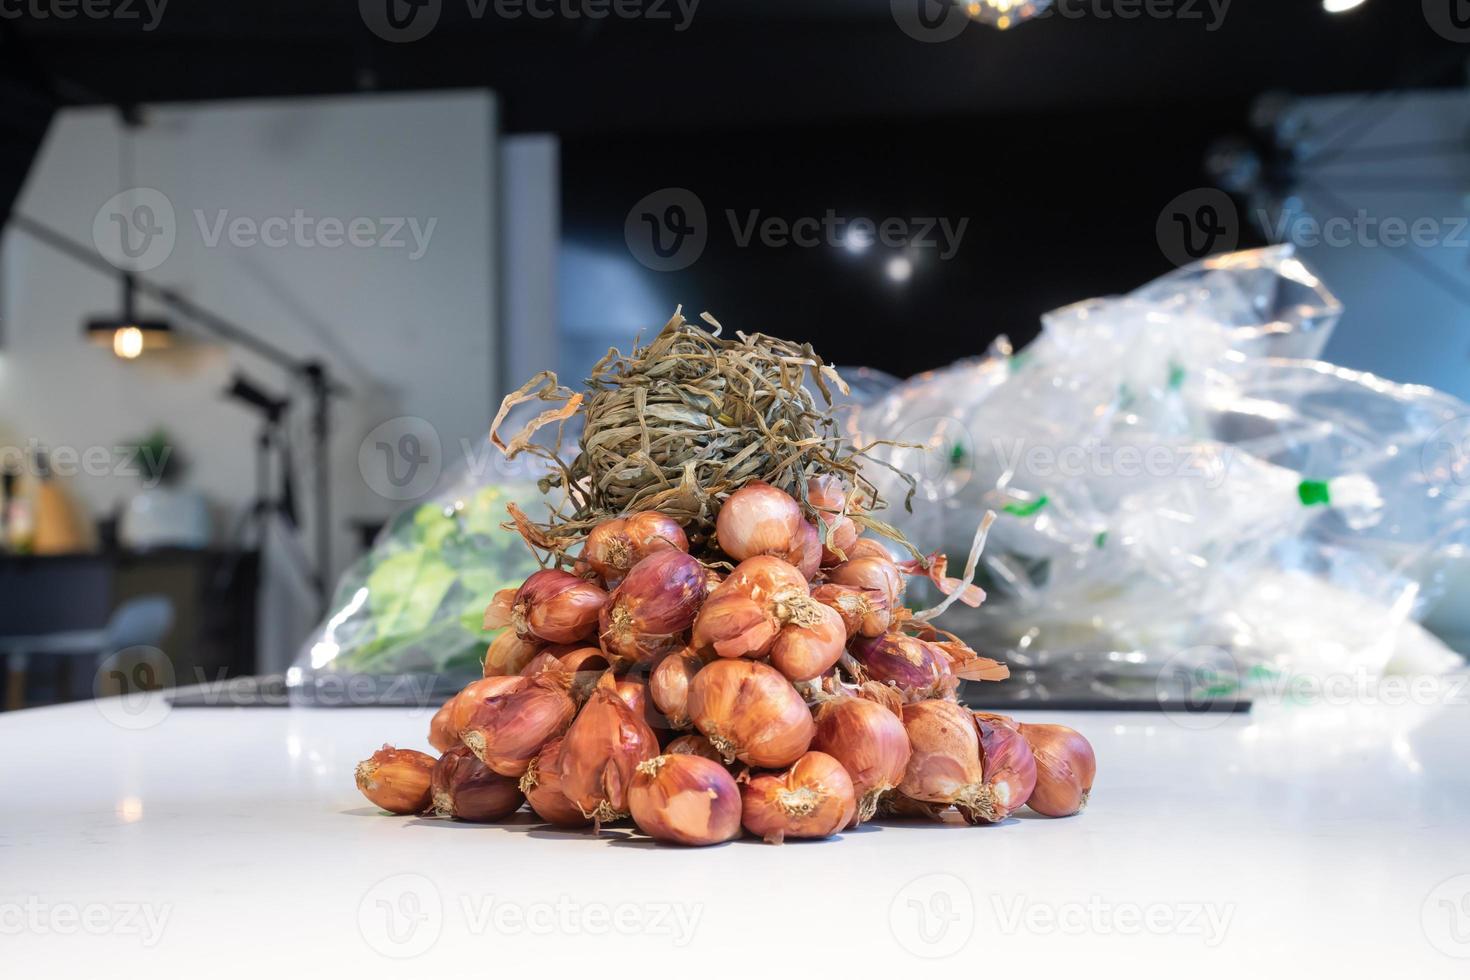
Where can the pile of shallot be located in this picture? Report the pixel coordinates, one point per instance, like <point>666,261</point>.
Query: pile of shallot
<point>781,689</point>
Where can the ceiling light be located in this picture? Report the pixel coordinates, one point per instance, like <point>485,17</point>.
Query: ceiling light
<point>1340,6</point>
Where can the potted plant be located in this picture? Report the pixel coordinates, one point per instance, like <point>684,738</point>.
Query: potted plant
<point>163,514</point>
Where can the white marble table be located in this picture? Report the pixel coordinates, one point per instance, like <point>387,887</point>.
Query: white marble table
<point>1297,841</point>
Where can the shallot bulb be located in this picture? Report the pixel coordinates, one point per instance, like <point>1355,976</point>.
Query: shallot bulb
<point>586,665</point>
<point>751,713</point>
<point>541,784</point>
<point>441,730</point>
<point>1065,767</point>
<point>806,554</point>
<point>634,692</point>
<point>814,798</point>
<point>509,653</point>
<point>879,574</point>
<point>601,751</point>
<point>553,606</point>
<point>809,647</point>
<point>541,663</point>
<point>694,745</point>
<point>758,519</point>
<point>398,780</point>
<point>464,704</point>
<point>1010,771</point>
<point>466,789</point>
<point>668,685</point>
<point>917,668</point>
<point>864,612</point>
<point>945,763</point>
<point>870,742</point>
<point>617,545</point>
<point>828,494</point>
<point>508,731</point>
<point>685,799</point>
<point>649,612</point>
<point>763,577</point>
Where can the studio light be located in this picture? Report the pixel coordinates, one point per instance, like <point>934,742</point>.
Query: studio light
<point>127,335</point>
<point>1340,6</point>
<point>1005,14</point>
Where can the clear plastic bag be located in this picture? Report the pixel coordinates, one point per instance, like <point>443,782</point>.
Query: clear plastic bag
<point>406,620</point>
<point>1176,478</point>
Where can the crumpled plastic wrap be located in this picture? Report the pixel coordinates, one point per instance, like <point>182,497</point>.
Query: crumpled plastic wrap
<point>1178,480</point>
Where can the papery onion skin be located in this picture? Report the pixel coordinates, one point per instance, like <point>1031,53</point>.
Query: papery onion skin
<point>806,554</point>
<point>508,731</point>
<point>397,780</point>
<point>751,713</point>
<point>803,652</point>
<point>541,784</point>
<point>601,751</point>
<point>814,798</point>
<point>442,735</point>
<point>541,663</point>
<point>694,744</point>
<point>1065,768</point>
<point>732,624</point>
<point>615,546</point>
<point>1010,771</point>
<point>944,766</point>
<point>685,799</point>
<point>668,685</point>
<point>476,693</point>
<point>464,788</point>
<point>864,612</point>
<point>828,494</point>
<point>908,663</point>
<point>758,519</point>
<point>509,653</point>
<point>870,742</point>
<point>557,607</point>
<point>649,612</point>
<point>869,548</point>
<point>763,577</point>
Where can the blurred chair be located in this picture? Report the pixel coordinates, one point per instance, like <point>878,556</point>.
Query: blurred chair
<point>143,621</point>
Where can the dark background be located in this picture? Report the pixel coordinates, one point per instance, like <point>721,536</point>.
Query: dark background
<point>1060,140</point>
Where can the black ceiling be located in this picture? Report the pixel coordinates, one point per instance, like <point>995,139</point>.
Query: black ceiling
<point>739,63</point>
